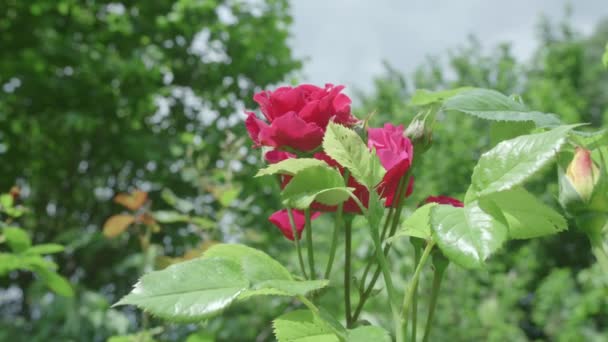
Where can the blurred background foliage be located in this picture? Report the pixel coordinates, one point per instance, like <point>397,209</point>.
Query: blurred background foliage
<point>100,98</point>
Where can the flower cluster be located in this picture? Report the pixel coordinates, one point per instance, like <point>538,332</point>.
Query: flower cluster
<point>296,120</point>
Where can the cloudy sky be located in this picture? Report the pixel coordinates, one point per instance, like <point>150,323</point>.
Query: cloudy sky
<point>346,41</point>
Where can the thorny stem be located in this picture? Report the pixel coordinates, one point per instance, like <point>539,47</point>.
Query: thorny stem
<point>437,277</point>
<point>297,242</point>
<point>309,248</point>
<point>409,295</point>
<point>347,277</point>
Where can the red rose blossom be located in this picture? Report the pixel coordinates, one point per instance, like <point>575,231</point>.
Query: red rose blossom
<point>297,117</point>
<point>444,200</point>
<point>395,152</point>
<point>281,220</point>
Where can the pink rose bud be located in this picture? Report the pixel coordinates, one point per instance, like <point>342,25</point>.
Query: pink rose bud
<point>582,173</point>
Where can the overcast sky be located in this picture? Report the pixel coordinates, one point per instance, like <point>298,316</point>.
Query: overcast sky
<point>347,40</point>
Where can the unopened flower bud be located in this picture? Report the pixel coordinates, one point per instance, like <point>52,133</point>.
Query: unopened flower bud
<point>583,174</point>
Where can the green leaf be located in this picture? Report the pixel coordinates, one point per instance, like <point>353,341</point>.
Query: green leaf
<point>169,216</point>
<point>525,216</point>
<point>492,105</point>
<point>417,224</point>
<point>605,57</point>
<point>266,275</point>
<point>190,290</point>
<point>55,282</point>
<point>45,248</point>
<point>369,333</point>
<point>423,97</point>
<point>302,326</point>
<point>288,288</point>
<point>467,236</point>
<point>290,166</point>
<point>513,161</point>
<point>346,147</point>
<point>505,130</point>
<point>181,205</point>
<point>320,183</point>
<point>17,239</point>
<point>6,201</point>
<point>257,265</point>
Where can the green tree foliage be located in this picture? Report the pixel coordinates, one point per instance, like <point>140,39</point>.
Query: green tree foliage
<point>99,97</point>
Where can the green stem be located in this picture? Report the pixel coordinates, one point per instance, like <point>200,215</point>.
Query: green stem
<point>397,213</point>
<point>415,299</point>
<point>296,240</point>
<point>409,295</point>
<point>334,242</point>
<point>437,277</point>
<point>347,277</point>
<point>309,248</point>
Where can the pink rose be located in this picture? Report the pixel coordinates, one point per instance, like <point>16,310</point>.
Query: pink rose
<point>281,220</point>
<point>444,200</point>
<point>297,117</point>
<point>395,152</point>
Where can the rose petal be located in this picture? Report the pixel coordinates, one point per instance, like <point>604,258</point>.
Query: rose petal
<point>444,200</point>
<point>290,130</point>
<point>281,220</point>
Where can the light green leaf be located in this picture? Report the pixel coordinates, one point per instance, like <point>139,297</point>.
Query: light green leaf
<point>10,262</point>
<point>525,216</point>
<point>169,216</point>
<point>181,205</point>
<point>467,236</point>
<point>346,147</point>
<point>605,57</point>
<point>423,97</point>
<point>290,166</point>
<point>368,333</point>
<point>257,265</point>
<point>302,326</point>
<point>17,239</point>
<point>55,282</point>
<point>287,288</point>
<point>513,161</point>
<point>417,224</point>
<point>45,248</point>
<point>320,183</point>
<point>266,275</point>
<point>492,105</point>
<point>190,290</point>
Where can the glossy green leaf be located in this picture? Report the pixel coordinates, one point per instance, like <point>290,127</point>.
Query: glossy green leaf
<point>17,239</point>
<point>467,236</point>
<point>346,147</point>
<point>266,275</point>
<point>302,326</point>
<point>320,183</point>
<point>417,224</point>
<point>423,97</point>
<point>289,166</point>
<point>190,290</point>
<point>525,216</point>
<point>513,161</point>
<point>492,105</point>
<point>46,248</point>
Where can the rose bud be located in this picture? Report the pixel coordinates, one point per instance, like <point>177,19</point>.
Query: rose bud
<point>583,174</point>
